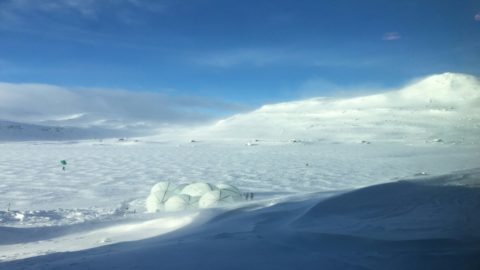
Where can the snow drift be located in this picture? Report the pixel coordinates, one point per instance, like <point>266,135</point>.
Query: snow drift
<point>431,223</point>
<point>443,207</point>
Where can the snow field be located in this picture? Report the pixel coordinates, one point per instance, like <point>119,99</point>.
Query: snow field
<point>104,176</point>
<point>421,223</point>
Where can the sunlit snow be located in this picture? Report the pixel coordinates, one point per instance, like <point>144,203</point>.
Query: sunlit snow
<point>350,183</point>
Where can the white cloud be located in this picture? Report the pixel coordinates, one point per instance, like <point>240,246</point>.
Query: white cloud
<point>255,57</point>
<point>49,104</point>
<point>261,57</point>
<point>14,12</point>
<point>17,8</point>
<point>391,36</point>
<point>477,16</point>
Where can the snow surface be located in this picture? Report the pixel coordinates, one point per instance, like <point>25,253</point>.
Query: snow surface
<point>415,224</point>
<point>387,181</point>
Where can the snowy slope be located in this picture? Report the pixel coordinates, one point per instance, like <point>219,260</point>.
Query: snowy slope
<point>443,107</point>
<point>412,224</point>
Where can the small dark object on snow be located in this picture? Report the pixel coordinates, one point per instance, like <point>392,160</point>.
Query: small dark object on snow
<point>64,163</point>
<point>248,195</point>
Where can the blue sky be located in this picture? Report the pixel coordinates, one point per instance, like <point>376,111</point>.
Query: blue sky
<point>246,52</point>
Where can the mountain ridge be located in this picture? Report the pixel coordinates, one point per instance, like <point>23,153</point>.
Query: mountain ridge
<point>438,106</point>
<point>16,131</point>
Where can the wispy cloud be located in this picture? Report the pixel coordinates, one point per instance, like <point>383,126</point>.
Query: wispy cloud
<point>477,16</point>
<point>265,57</point>
<point>49,104</point>
<point>237,57</point>
<point>14,10</point>
<point>391,36</point>
<point>21,11</point>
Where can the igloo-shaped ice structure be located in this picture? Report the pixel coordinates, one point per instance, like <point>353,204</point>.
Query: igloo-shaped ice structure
<point>165,196</point>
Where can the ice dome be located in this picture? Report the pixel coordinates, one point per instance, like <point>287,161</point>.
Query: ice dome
<point>159,194</point>
<point>198,189</point>
<point>166,196</point>
<point>220,196</point>
<point>177,203</point>
<point>228,187</point>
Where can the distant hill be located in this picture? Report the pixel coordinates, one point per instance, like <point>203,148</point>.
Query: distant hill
<point>441,108</point>
<point>14,131</point>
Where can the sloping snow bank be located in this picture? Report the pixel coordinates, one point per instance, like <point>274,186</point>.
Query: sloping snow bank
<point>437,208</point>
<point>432,223</point>
<point>46,240</point>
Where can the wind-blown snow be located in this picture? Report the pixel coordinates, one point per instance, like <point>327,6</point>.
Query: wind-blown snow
<point>445,107</point>
<point>14,131</point>
<point>414,224</point>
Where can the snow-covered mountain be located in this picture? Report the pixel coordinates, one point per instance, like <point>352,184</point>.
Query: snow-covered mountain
<point>14,131</point>
<point>439,108</point>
